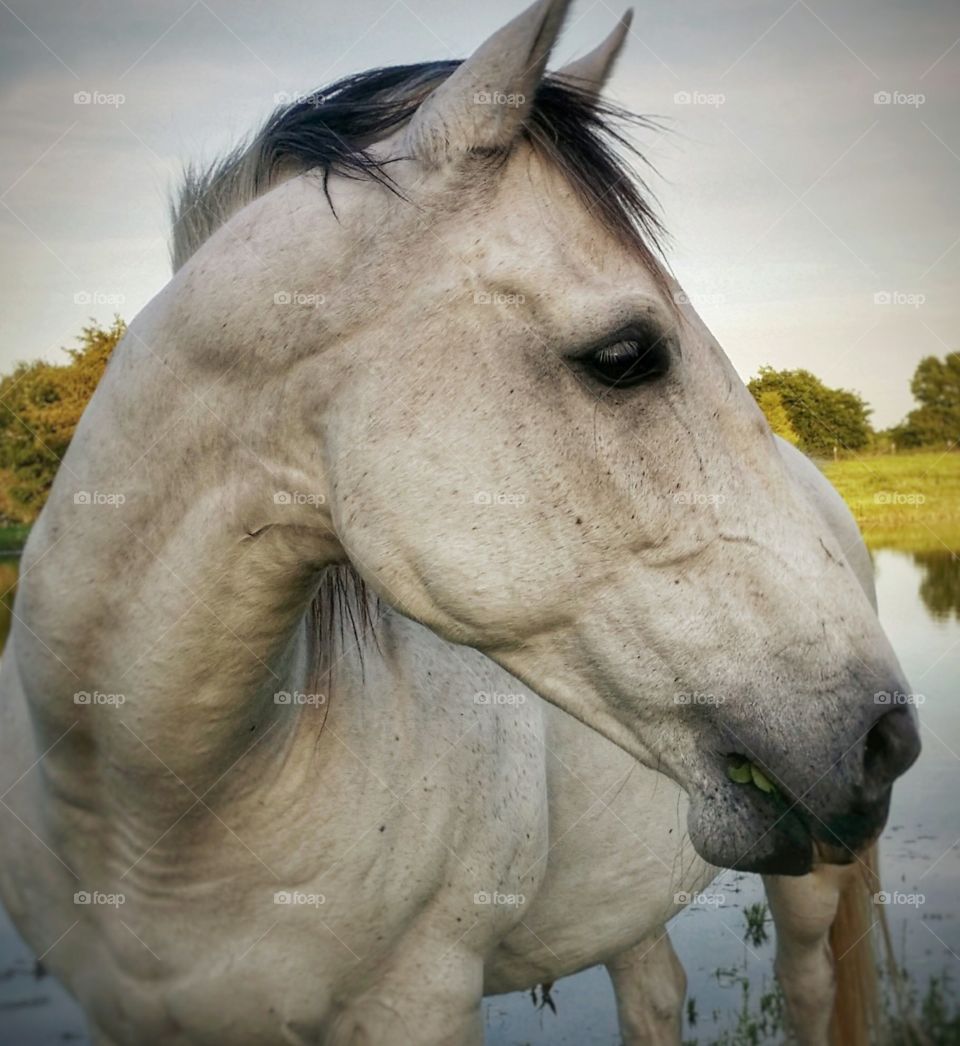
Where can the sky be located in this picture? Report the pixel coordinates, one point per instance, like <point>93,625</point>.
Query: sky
<point>808,173</point>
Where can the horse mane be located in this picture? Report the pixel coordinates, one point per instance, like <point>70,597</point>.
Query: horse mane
<point>332,130</point>
<point>343,610</point>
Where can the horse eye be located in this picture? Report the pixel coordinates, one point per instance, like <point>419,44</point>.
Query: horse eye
<point>629,362</point>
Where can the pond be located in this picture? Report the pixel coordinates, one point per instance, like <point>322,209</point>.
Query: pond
<point>919,597</point>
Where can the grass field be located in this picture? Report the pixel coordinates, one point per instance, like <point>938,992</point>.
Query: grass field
<point>907,501</point>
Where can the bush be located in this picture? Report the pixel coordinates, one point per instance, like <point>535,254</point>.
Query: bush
<point>42,404</point>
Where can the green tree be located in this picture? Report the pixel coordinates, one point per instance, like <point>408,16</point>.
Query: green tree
<point>771,403</point>
<point>40,405</point>
<point>936,387</point>
<point>821,417</point>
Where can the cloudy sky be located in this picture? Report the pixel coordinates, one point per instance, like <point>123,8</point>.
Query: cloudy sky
<point>810,177</point>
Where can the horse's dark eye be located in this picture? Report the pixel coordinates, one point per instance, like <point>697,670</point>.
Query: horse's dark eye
<point>629,362</point>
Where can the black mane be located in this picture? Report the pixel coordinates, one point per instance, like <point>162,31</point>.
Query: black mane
<point>332,131</point>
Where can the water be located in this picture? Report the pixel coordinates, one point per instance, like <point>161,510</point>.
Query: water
<point>919,597</point>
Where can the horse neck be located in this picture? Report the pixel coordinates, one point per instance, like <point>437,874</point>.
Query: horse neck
<point>148,574</point>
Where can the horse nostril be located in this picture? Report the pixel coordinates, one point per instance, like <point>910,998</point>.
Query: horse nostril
<point>892,745</point>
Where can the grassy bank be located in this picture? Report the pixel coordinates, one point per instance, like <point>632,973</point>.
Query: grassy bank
<point>908,501</point>
<point>13,536</point>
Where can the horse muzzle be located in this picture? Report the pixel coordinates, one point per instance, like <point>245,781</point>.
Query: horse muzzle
<point>749,817</point>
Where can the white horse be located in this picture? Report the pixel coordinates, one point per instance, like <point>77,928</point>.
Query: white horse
<point>415,561</point>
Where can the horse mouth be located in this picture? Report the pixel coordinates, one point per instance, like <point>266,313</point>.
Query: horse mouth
<point>732,828</point>
<point>744,822</point>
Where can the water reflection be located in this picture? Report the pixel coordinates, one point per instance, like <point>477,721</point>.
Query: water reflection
<point>940,584</point>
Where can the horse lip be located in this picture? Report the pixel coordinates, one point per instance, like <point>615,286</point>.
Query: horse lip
<point>789,836</point>
<point>770,839</point>
<point>792,855</point>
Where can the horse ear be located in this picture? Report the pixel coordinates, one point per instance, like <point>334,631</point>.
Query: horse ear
<point>592,71</point>
<point>482,105</point>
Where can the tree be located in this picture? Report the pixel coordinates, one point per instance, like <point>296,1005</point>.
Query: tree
<point>936,387</point>
<point>40,405</point>
<point>771,403</point>
<point>822,417</point>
